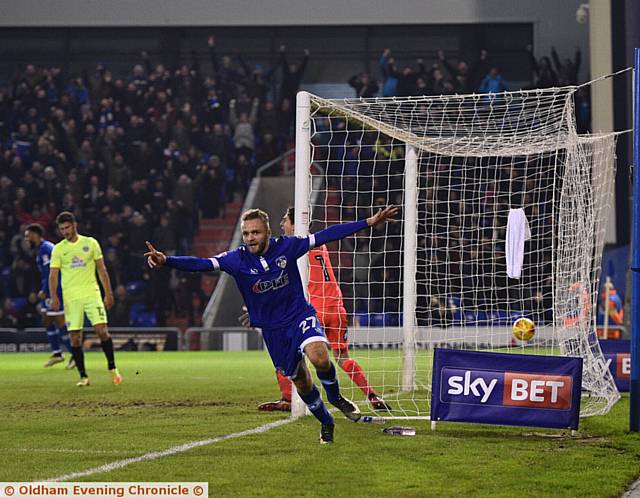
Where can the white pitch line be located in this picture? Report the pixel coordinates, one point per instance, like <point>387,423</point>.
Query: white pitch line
<point>118,464</point>
<point>65,450</point>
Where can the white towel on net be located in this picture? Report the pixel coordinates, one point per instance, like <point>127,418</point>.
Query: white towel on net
<point>517,233</point>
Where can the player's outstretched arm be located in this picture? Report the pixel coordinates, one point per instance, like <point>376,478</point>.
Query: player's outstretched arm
<point>156,258</point>
<point>343,230</point>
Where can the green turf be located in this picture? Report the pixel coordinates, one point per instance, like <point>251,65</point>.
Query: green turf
<point>51,428</point>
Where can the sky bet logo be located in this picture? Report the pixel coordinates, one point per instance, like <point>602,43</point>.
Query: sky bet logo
<point>491,388</point>
<point>619,364</point>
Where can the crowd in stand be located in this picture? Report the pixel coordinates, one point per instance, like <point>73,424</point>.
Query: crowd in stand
<point>444,77</point>
<point>145,156</point>
<point>135,158</point>
<point>461,253</point>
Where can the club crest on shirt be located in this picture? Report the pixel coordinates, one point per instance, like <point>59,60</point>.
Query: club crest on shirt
<point>281,262</point>
<point>85,248</point>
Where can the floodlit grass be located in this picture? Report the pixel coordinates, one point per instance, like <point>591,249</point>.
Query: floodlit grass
<point>51,428</point>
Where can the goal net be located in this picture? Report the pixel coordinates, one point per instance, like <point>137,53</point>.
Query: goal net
<point>459,167</point>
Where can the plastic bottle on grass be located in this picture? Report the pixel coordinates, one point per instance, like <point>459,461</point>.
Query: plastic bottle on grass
<point>400,431</point>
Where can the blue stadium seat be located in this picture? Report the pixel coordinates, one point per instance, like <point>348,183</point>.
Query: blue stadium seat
<point>376,319</point>
<point>145,319</point>
<point>362,319</point>
<point>139,316</point>
<point>136,308</point>
<point>392,319</point>
<point>18,302</point>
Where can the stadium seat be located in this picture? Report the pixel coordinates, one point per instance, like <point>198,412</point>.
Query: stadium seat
<point>470,317</point>
<point>18,302</point>
<point>139,316</point>
<point>145,319</point>
<point>361,319</point>
<point>392,319</point>
<point>376,319</point>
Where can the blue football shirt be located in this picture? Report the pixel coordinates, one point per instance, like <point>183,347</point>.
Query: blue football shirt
<point>270,283</point>
<point>43,261</point>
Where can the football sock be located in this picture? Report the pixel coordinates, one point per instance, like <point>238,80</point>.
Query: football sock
<point>355,373</point>
<point>285,386</point>
<point>78,357</point>
<point>316,406</point>
<point>107,347</point>
<point>52,335</point>
<point>330,383</point>
<point>64,337</point>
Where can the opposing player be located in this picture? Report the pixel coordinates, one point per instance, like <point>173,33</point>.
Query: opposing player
<point>75,258</point>
<point>326,297</point>
<point>53,321</point>
<point>266,273</point>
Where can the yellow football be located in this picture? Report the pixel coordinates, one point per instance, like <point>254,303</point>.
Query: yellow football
<point>524,329</point>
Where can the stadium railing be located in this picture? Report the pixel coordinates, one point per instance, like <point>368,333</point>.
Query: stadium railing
<point>124,338</point>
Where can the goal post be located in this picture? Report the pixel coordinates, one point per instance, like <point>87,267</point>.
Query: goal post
<point>410,209</point>
<point>634,384</point>
<point>301,205</point>
<point>459,167</point>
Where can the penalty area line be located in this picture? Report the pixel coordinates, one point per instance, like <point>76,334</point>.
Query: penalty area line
<point>154,455</point>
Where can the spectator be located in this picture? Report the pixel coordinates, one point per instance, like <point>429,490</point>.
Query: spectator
<point>29,316</point>
<point>543,74</point>
<point>493,82</point>
<point>407,80</point>
<point>24,278</point>
<point>388,72</point>
<point>119,313</point>
<point>210,190</point>
<point>164,234</point>
<point>7,317</point>
<point>243,128</point>
<point>291,74</point>
<point>567,70</point>
<point>364,86</point>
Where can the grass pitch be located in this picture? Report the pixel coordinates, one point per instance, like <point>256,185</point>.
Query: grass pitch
<point>51,428</point>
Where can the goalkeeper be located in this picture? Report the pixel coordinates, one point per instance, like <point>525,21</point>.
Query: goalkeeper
<point>266,273</point>
<point>326,297</point>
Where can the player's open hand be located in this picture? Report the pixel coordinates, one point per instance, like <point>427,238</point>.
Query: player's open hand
<point>154,257</point>
<point>244,318</point>
<point>386,214</point>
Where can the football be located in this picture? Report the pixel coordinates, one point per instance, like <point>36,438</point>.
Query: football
<point>524,329</point>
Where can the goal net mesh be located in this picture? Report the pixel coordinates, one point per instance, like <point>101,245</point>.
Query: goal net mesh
<point>480,159</point>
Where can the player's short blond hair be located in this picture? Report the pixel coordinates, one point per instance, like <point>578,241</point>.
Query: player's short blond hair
<point>256,214</point>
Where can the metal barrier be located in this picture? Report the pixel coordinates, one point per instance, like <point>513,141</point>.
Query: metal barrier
<point>124,338</point>
<point>222,339</point>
